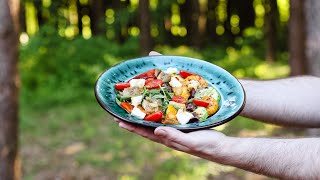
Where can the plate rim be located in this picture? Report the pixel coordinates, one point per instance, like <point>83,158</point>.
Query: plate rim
<point>184,129</point>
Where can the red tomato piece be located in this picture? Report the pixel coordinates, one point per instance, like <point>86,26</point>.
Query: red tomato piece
<point>201,102</point>
<point>127,106</point>
<point>153,83</point>
<point>146,75</point>
<point>156,116</point>
<point>179,99</point>
<point>122,85</point>
<point>185,74</point>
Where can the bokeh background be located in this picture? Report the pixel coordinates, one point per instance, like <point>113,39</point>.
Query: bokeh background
<point>66,44</point>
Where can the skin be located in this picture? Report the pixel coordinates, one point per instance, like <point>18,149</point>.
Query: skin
<point>289,102</point>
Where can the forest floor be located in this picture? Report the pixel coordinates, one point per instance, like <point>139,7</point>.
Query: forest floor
<point>81,141</point>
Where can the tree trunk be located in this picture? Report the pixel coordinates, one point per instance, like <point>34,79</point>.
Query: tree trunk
<point>212,22</point>
<point>192,17</point>
<point>9,83</point>
<point>313,36</point>
<point>271,18</point>
<point>145,23</point>
<point>297,38</point>
<point>97,17</point>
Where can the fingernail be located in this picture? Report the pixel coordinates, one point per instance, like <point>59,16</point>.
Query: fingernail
<point>125,126</point>
<point>122,125</point>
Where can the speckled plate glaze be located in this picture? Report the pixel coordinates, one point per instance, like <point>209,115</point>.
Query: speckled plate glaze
<point>232,94</point>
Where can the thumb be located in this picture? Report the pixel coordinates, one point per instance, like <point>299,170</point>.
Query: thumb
<point>154,53</point>
<point>173,136</point>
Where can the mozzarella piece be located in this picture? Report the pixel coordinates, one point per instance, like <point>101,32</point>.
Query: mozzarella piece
<point>137,83</point>
<point>193,84</point>
<point>172,71</point>
<point>135,101</point>
<point>174,82</point>
<point>138,113</point>
<point>183,117</point>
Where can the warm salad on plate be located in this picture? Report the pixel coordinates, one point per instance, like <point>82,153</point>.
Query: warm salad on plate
<point>168,97</point>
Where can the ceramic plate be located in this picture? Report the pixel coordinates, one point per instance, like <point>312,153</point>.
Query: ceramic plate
<point>232,94</point>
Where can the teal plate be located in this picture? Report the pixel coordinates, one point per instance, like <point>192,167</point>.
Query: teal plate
<point>232,94</point>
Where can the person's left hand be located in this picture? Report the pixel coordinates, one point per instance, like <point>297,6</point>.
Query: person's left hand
<point>202,143</point>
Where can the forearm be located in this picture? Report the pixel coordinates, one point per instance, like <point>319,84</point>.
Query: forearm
<point>280,158</point>
<point>290,102</point>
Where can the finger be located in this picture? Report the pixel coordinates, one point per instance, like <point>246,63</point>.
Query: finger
<point>142,131</point>
<point>149,134</point>
<point>116,120</point>
<point>174,136</point>
<point>175,146</point>
<point>154,53</point>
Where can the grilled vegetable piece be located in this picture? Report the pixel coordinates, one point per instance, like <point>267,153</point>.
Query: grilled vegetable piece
<point>191,107</point>
<point>192,93</point>
<point>202,103</point>
<point>164,77</point>
<point>171,116</point>
<point>198,78</point>
<point>132,91</point>
<point>153,83</point>
<point>213,106</point>
<point>202,113</point>
<point>127,106</point>
<point>122,85</point>
<point>185,74</point>
<point>177,105</point>
<point>151,105</point>
<point>210,91</point>
<point>146,75</point>
<point>179,99</point>
<point>181,91</point>
<point>156,116</point>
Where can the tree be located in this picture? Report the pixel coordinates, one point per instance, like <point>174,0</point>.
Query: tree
<point>297,38</point>
<point>97,16</point>
<point>145,25</point>
<point>312,46</point>
<point>271,19</point>
<point>192,13</point>
<point>9,83</point>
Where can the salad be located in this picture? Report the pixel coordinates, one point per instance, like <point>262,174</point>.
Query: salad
<point>168,97</point>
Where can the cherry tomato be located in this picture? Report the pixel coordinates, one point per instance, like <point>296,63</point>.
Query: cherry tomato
<point>153,83</point>
<point>201,102</point>
<point>127,106</point>
<point>179,99</point>
<point>146,75</point>
<point>156,116</point>
<point>185,74</point>
<point>122,85</point>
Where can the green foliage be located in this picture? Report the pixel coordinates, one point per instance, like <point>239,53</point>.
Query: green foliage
<point>58,106</point>
<point>54,68</point>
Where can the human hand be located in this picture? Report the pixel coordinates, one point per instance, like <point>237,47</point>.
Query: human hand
<point>203,143</point>
<point>200,143</point>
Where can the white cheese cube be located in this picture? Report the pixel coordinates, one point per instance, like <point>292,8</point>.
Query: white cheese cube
<point>137,83</point>
<point>175,82</point>
<point>193,84</point>
<point>172,71</point>
<point>135,101</point>
<point>183,117</point>
<point>138,113</point>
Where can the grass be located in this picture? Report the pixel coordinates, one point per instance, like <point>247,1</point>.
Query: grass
<point>65,134</point>
<point>81,134</point>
